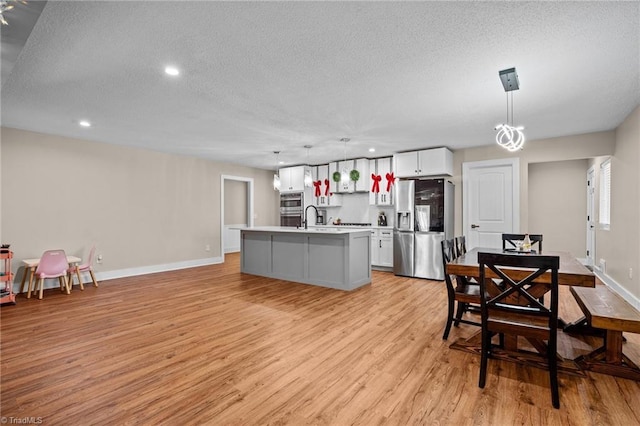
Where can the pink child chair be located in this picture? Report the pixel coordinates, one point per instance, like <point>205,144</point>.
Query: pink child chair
<point>85,267</point>
<point>53,264</point>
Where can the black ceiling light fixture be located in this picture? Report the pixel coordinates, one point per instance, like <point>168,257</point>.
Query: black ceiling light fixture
<point>509,136</point>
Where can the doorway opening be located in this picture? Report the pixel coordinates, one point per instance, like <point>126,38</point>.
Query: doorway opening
<point>236,211</point>
<point>591,226</point>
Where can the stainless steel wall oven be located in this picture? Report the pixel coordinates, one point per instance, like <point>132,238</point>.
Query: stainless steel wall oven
<point>291,209</point>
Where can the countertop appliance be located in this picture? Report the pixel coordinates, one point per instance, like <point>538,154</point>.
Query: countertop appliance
<point>423,218</point>
<point>321,217</point>
<point>291,209</point>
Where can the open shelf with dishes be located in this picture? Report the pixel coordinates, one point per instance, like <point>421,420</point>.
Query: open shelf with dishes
<point>6,278</point>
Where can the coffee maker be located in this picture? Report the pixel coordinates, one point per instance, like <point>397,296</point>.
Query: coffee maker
<point>321,217</point>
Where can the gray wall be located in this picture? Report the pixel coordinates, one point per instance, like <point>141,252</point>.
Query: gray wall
<point>235,202</point>
<point>558,203</point>
<point>147,208</point>
<point>141,208</point>
<point>620,245</point>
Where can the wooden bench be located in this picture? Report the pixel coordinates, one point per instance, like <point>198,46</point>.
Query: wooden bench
<point>607,310</point>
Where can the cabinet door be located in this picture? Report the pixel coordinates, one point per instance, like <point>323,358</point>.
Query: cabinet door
<point>385,197</point>
<point>362,166</point>
<point>406,164</point>
<point>292,179</point>
<point>375,248</point>
<point>373,197</point>
<point>385,248</point>
<point>347,186</point>
<point>296,178</point>
<point>322,173</point>
<point>333,167</point>
<point>434,162</point>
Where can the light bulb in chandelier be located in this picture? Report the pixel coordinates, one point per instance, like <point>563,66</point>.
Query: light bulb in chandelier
<point>509,137</point>
<point>276,175</point>
<point>344,176</point>
<point>308,179</point>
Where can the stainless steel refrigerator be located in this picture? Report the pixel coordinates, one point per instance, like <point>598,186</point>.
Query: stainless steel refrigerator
<point>423,218</point>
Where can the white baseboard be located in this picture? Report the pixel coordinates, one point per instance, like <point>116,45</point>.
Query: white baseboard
<point>132,272</point>
<point>611,283</point>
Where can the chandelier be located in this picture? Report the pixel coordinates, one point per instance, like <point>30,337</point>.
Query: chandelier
<point>344,174</point>
<point>509,136</point>
<point>276,175</point>
<point>5,6</point>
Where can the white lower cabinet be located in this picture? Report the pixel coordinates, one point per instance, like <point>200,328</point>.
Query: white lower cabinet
<point>382,247</point>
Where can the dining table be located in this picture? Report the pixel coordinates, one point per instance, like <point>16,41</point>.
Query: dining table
<point>30,266</point>
<point>570,273</point>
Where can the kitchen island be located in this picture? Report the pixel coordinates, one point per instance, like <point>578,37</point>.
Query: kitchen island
<point>327,257</point>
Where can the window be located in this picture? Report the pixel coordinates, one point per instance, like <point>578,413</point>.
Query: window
<point>605,194</point>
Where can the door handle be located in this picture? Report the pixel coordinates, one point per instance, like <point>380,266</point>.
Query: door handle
<point>474,226</point>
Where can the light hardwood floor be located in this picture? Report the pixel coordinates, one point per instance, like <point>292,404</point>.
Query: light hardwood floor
<point>209,345</point>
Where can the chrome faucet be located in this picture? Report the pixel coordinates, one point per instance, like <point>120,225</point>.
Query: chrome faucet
<point>305,214</point>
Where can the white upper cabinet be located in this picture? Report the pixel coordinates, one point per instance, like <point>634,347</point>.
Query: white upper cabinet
<point>292,179</point>
<point>348,185</point>
<point>362,166</point>
<point>327,197</point>
<point>381,193</point>
<point>429,162</point>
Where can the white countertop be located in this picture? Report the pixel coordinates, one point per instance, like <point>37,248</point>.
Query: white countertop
<point>311,230</point>
<point>389,228</point>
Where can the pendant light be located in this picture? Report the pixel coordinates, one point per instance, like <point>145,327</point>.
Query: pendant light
<point>308,179</point>
<point>276,176</point>
<point>509,136</point>
<point>344,174</point>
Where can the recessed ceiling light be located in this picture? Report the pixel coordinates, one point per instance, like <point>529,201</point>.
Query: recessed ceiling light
<point>84,123</point>
<point>173,71</point>
<point>372,150</point>
<point>280,162</point>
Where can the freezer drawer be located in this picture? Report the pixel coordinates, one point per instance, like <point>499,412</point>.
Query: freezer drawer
<point>428,255</point>
<point>403,253</point>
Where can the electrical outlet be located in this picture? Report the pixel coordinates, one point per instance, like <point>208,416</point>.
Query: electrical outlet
<point>207,248</point>
<point>99,259</point>
<point>630,273</point>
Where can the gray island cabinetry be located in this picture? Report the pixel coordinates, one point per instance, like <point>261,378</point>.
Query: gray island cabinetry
<point>333,258</point>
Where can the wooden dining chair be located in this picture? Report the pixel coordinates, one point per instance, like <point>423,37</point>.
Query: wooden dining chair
<point>515,309</point>
<point>465,293</point>
<point>509,241</point>
<point>461,245</point>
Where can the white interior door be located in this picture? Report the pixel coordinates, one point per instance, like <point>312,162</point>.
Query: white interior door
<point>491,201</point>
<point>591,226</point>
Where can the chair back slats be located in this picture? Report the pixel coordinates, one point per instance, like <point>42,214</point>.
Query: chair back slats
<point>461,245</point>
<point>525,292</point>
<point>459,290</point>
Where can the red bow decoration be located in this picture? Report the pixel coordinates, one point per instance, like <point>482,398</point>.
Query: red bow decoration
<point>376,182</point>
<point>317,185</point>
<point>390,178</point>
<point>326,189</point>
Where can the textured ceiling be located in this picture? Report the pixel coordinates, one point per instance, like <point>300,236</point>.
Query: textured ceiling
<point>264,76</point>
